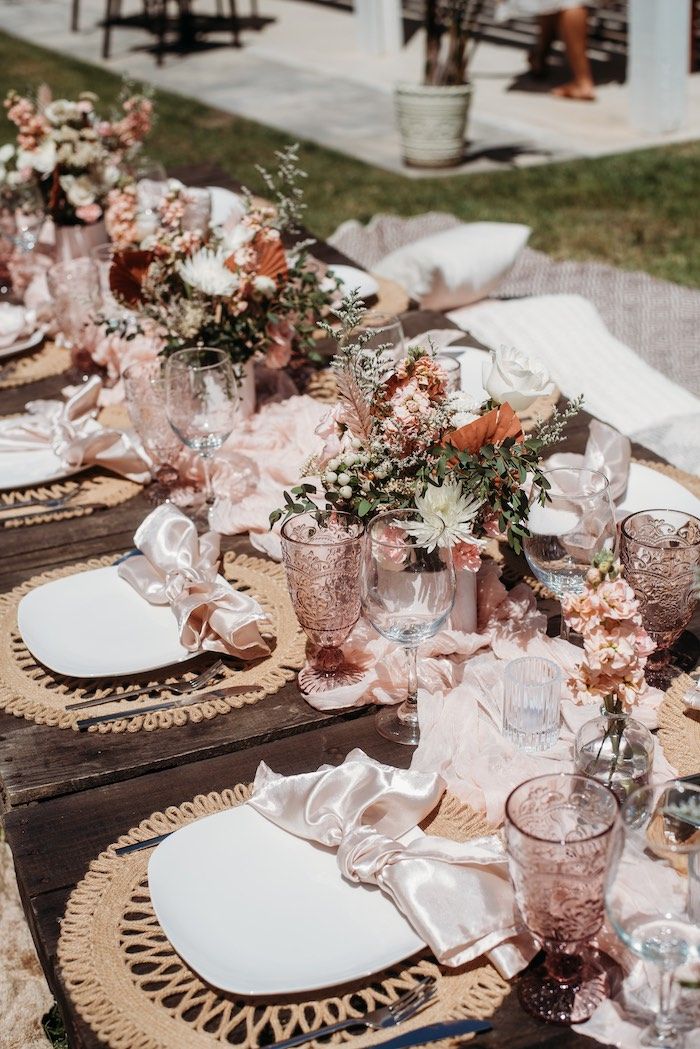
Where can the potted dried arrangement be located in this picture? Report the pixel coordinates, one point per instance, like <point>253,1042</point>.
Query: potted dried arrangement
<point>432,116</point>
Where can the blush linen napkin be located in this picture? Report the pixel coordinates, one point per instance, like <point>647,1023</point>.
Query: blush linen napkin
<point>177,567</point>
<point>457,896</point>
<point>70,429</point>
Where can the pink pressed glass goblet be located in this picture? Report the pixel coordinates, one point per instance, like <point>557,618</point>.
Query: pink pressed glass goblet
<point>559,833</point>
<point>660,553</point>
<point>322,554</point>
<point>144,387</point>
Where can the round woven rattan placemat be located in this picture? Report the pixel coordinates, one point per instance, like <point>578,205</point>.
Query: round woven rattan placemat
<point>128,983</point>
<point>30,690</point>
<point>679,728</point>
<point>48,360</point>
<point>82,497</point>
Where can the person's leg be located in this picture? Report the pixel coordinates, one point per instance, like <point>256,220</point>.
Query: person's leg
<point>573,28</point>
<point>538,55</point>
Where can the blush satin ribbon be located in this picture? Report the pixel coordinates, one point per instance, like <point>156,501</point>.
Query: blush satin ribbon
<point>607,450</point>
<point>456,895</point>
<point>180,569</point>
<point>70,429</point>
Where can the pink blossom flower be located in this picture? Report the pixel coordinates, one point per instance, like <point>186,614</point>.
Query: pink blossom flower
<point>281,339</point>
<point>116,353</point>
<point>466,556</point>
<point>88,213</point>
<point>328,429</point>
<point>610,649</point>
<point>617,599</point>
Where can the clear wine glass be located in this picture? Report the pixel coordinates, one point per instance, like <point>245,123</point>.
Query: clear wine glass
<point>577,521</point>
<point>201,401</point>
<point>22,214</point>
<point>74,287</point>
<point>407,594</point>
<point>144,387</point>
<point>652,895</point>
<point>384,330</point>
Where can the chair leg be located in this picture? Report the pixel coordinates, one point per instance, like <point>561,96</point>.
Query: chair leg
<point>161,23</point>
<point>75,15</point>
<point>254,9</point>
<point>219,8</point>
<point>235,23</point>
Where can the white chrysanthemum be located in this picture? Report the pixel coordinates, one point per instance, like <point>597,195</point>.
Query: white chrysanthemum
<point>42,159</point>
<point>206,270</point>
<point>448,514</point>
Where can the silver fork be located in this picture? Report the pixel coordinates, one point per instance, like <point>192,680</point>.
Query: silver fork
<point>181,688</point>
<point>387,1016</point>
<point>53,503</point>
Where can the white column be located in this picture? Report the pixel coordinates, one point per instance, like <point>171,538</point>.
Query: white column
<point>658,61</point>
<point>379,26</point>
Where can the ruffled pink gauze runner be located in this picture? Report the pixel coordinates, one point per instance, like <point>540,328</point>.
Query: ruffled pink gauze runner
<point>70,429</point>
<point>457,896</point>
<point>180,569</point>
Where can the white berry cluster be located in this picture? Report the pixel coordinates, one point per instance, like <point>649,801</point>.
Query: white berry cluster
<point>345,473</point>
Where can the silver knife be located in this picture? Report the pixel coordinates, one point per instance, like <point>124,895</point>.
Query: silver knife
<point>39,514</point>
<point>433,1033</point>
<point>169,704</point>
<point>419,1036</point>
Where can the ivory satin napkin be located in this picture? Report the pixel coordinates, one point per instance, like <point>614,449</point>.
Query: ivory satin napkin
<point>457,896</point>
<point>181,569</point>
<point>607,450</point>
<point>70,429</point>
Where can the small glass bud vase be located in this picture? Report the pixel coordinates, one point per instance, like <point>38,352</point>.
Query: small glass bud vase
<point>616,750</point>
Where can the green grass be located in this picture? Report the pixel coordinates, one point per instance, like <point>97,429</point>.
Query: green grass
<point>635,210</point>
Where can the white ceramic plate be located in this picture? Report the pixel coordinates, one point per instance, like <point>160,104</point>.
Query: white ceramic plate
<point>257,911</point>
<point>23,344</point>
<point>650,490</point>
<point>222,203</point>
<point>352,278</point>
<point>94,624</point>
<point>21,469</point>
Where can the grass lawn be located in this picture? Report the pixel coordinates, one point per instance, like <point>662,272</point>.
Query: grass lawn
<point>636,210</point>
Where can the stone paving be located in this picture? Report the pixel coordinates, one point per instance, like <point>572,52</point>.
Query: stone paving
<point>302,72</point>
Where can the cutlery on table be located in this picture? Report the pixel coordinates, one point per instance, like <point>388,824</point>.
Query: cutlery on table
<point>387,1016</point>
<point>180,688</point>
<point>188,700</point>
<point>40,512</point>
<point>432,1033</point>
<point>54,502</point>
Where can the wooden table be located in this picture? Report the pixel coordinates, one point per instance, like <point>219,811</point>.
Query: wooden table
<point>68,795</point>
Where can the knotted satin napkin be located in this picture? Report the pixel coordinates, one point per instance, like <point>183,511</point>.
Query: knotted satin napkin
<point>70,429</point>
<point>457,896</point>
<point>180,569</point>
<point>607,450</point>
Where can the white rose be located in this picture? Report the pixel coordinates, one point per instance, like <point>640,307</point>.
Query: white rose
<point>237,237</point>
<point>513,377</point>
<point>42,159</point>
<point>80,191</point>
<point>61,111</point>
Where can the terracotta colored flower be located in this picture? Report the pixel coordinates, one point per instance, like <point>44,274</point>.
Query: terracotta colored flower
<point>271,260</point>
<point>493,428</point>
<point>127,274</point>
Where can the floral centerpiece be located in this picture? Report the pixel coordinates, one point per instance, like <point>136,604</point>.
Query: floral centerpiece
<point>396,439</point>
<point>74,152</point>
<point>613,748</point>
<point>235,287</point>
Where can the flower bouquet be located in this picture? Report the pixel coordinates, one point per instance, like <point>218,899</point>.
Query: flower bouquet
<point>74,153</point>
<point>614,748</point>
<point>397,439</point>
<point>235,287</point>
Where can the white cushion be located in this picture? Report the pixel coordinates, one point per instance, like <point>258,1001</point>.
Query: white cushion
<point>458,266</point>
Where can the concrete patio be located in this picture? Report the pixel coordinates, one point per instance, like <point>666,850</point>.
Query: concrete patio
<point>303,72</point>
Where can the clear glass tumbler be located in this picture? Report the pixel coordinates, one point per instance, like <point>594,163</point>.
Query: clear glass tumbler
<point>531,703</point>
